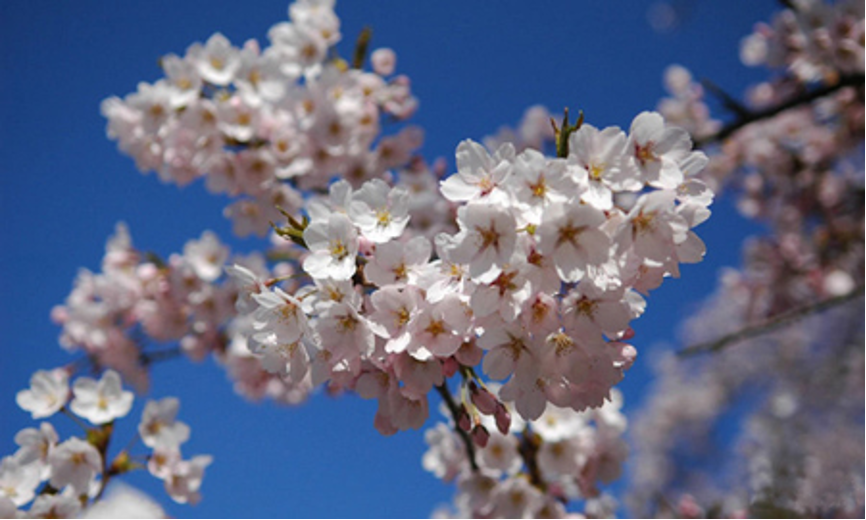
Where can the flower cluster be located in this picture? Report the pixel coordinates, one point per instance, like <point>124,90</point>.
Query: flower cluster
<point>535,469</point>
<point>814,40</point>
<point>77,470</point>
<point>538,284</point>
<point>794,154</point>
<point>120,316</point>
<point>262,124</point>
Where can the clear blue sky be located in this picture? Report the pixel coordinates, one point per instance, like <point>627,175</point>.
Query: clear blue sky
<point>474,67</point>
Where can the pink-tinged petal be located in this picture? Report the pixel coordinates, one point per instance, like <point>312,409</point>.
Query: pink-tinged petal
<point>598,195</point>
<point>692,250</point>
<point>499,363</point>
<point>646,127</point>
<point>455,188</point>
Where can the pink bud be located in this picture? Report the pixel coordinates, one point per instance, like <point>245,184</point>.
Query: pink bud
<point>463,420</point>
<point>483,399</point>
<point>628,334</point>
<point>480,436</point>
<point>449,367</point>
<point>503,419</point>
<point>469,354</point>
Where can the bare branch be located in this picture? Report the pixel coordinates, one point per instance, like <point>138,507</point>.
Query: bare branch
<point>770,324</point>
<point>455,413</point>
<point>744,119</point>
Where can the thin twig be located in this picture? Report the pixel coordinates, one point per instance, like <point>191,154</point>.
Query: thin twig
<point>75,419</point>
<point>728,101</point>
<point>848,80</point>
<point>455,413</point>
<point>770,324</point>
<point>155,356</point>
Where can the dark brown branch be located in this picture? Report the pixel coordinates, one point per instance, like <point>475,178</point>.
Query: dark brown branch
<point>455,413</point>
<point>850,80</point>
<point>155,356</point>
<point>770,324</point>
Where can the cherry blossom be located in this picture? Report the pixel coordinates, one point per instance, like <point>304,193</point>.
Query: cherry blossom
<point>74,463</point>
<point>18,481</point>
<point>34,446</point>
<point>185,480</point>
<point>159,427</point>
<point>47,394</point>
<point>101,401</point>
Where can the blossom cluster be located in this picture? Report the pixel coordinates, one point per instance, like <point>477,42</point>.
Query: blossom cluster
<point>793,154</point>
<point>536,468</point>
<point>814,40</point>
<point>538,285</point>
<point>75,472</point>
<point>123,316</point>
<point>263,124</point>
<point>798,169</point>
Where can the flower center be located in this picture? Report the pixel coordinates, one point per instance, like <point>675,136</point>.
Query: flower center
<point>569,233</point>
<point>338,250</point>
<point>645,153</point>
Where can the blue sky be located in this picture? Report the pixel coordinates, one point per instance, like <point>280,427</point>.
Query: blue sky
<point>474,67</point>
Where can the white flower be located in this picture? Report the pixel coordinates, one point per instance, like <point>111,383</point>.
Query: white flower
<point>18,481</point>
<point>516,498</point>
<point>280,314</point>
<point>395,308</point>
<point>56,506</point>
<point>206,256</point>
<point>380,212</point>
<point>384,61</point>
<point>122,501</point>
<point>557,424</point>
<point>47,394</point>
<point>35,445</point>
<point>505,294</point>
<point>398,263</point>
<point>159,427</point>
<point>217,61</point>
<point>249,284</point>
<point>653,227</point>
<point>300,49</point>
<point>100,401</point>
<point>289,359</point>
<point>658,149</point>
<point>184,78</point>
<point>591,310</point>
<point>501,454</point>
<point>74,463</point>
<point>8,511</point>
<point>343,329</point>
<point>479,174</point>
<point>185,479</point>
<point>538,180</point>
<point>439,328</point>
<point>508,347</point>
<point>333,245</point>
<point>600,157</point>
<point>570,234</point>
<point>486,241</point>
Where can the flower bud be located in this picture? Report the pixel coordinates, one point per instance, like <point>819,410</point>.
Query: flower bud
<point>483,399</point>
<point>503,419</point>
<point>449,367</point>
<point>480,436</point>
<point>463,419</point>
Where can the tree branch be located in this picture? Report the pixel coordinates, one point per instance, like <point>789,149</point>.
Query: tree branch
<point>744,119</point>
<point>770,324</point>
<point>154,356</point>
<point>455,413</point>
